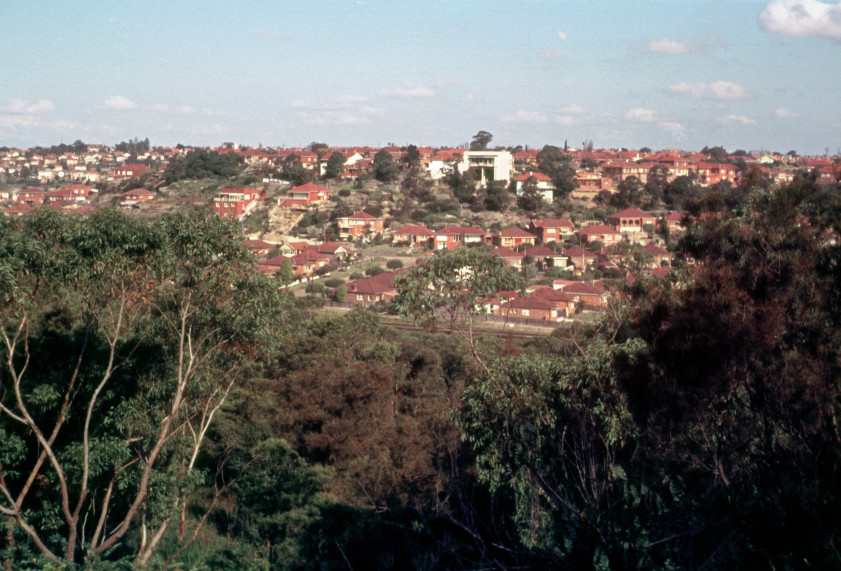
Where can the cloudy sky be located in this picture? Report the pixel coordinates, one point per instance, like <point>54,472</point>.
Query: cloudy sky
<point>742,74</point>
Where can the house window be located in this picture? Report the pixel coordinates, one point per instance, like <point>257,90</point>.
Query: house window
<point>525,313</point>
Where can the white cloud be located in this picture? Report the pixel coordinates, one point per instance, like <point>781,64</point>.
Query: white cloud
<point>784,113</point>
<point>522,116</point>
<point>572,109</point>
<point>667,46</point>
<point>676,129</point>
<point>340,110</point>
<point>715,90</point>
<point>566,120</point>
<point>160,107</point>
<point>674,47</point>
<point>409,91</point>
<point>186,109</point>
<point>119,102</point>
<point>737,119</point>
<point>801,18</point>
<point>331,104</point>
<point>22,106</point>
<point>640,114</point>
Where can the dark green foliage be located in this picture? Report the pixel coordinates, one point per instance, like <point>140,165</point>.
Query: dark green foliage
<point>203,164</point>
<point>558,165</point>
<point>394,264</point>
<point>385,167</point>
<point>335,165</point>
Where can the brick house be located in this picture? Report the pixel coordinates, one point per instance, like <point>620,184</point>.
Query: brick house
<point>508,256</point>
<point>235,202</point>
<point>366,291</point>
<point>631,220</point>
<point>305,194</point>
<point>550,229</point>
<point>513,237</point>
<point>136,195</point>
<point>412,235</point>
<point>453,237</point>
<point>130,171</point>
<point>358,225</point>
<point>599,232</point>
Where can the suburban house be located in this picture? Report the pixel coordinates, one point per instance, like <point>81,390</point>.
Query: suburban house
<point>136,195</point>
<point>358,225</point>
<point>76,193</point>
<point>17,210</point>
<point>305,195</point>
<point>620,170</point>
<point>491,165</point>
<point>590,184</point>
<point>563,301</point>
<point>508,256</point>
<point>580,257</point>
<point>130,171</point>
<point>673,221</point>
<point>599,232</point>
<point>444,162</point>
<point>453,237</point>
<point>543,183</point>
<point>513,237</point>
<point>412,235</point>
<point>547,306</point>
<point>546,258</point>
<point>335,250</point>
<point>550,229</point>
<point>307,262</point>
<point>366,291</point>
<point>31,196</point>
<point>271,265</point>
<point>258,247</point>
<point>235,202</point>
<point>659,256</point>
<point>591,294</point>
<point>631,220</point>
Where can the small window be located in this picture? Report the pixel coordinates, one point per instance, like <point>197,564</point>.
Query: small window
<point>525,313</point>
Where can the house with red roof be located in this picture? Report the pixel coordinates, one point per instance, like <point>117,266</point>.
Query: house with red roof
<point>130,171</point>
<point>305,194</point>
<point>513,237</point>
<point>599,233</point>
<point>17,210</point>
<point>453,237</point>
<point>307,262</point>
<point>545,306</point>
<point>631,220</point>
<point>413,235</point>
<point>359,225</point>
<point>137,195</point>
<point>367,291</point>
<point>592,294</point>
<point>580,258</point>
<point>509,256</point>
<point>236,202</point>
<point>546,258</point>
<point>620,170</point>
<point>589,184</point>
<point>258,247</point>
<point>543,183</point>
<point>31,196</point>
<point>550,229</point>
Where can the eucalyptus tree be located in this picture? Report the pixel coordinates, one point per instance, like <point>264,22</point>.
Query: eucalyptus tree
<point>122,337</point>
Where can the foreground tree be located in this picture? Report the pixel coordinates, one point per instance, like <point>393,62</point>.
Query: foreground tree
<point>121,339</point>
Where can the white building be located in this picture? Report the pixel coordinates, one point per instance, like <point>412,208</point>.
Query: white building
<point>493,165</point>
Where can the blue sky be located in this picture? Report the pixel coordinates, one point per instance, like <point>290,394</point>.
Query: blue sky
<point>742,74</point>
